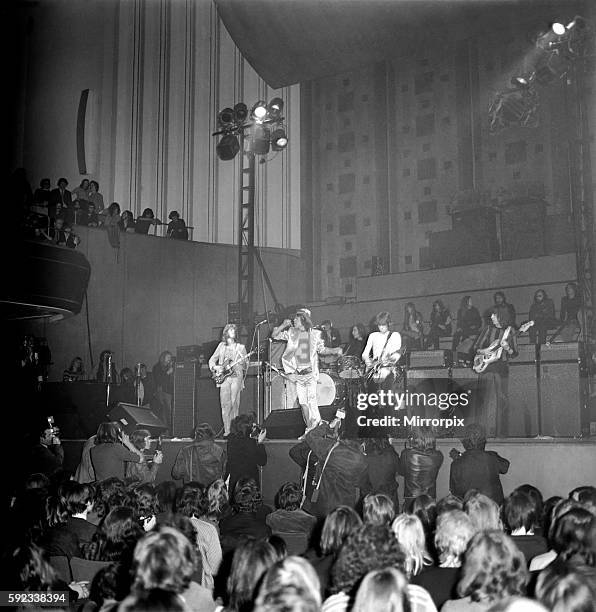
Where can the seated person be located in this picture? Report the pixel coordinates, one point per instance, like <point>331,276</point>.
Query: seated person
<point>542,312</point>
<point>504,310</point>
<point>127,222</point>
<point>92,216</point>
<point>289,517</point>
<point>75,372</point>
<point>519,515</point>
<point>42,193</point>
<point>440,324</point>
<point>145,221</point>
<point>176,227</point>
<point>413,329</point>
<point>70,239</point>
<point>467,329</point>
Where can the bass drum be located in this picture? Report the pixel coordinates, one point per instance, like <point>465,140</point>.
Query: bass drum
<point>350,367</point>
<point>331,390</point>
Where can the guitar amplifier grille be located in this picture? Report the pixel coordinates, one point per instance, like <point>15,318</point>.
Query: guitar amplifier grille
<point>183,411</point>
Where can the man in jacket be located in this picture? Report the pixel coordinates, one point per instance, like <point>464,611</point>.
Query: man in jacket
<point>203,461</point>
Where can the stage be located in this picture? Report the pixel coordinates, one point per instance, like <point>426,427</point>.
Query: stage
<point>555,466</point>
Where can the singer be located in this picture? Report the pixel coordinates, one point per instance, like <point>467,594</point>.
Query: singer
<point>228,366</point>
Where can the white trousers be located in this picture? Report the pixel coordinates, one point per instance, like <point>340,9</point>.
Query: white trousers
<point>229,398</point>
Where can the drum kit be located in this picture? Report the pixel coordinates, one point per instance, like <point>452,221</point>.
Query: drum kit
<point>338,379</point>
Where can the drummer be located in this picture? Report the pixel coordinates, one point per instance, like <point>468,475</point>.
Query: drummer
<point>355,346</point>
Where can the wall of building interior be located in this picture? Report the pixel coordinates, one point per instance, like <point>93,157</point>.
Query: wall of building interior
<point>395,148</point>
<point>157,75</point>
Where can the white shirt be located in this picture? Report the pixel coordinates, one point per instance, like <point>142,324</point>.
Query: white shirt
<point>376,343</point>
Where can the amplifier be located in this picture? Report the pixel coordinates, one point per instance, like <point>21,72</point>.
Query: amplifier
<point>561,351</point>
<point>184,354</point>
<point>430,359</point>
<point>526,353</point>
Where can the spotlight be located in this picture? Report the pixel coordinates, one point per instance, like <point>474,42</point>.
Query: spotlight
<point>279,139</point>
<point>522,82</point>
<point>260,139</point>
<point>558,28</point>
<point>228,147</point>
<point>275,107</point>
<point>578,23</point>
<point>259,111</point>
<point>240,112</point>
<point>225,118</point>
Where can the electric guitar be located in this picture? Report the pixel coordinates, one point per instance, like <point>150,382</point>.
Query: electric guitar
<point>383,361</point>
<point>222,371</point>
<point>494,351</point>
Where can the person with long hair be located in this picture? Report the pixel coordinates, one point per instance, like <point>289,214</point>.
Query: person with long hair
<point>385,589</point>
<point>112,450</point>
<point>301,362</point>
<point>382,467</point>
<point>228,365</point>
<point>75,372</point>
<point>440,324</point>
<point>569,315</point>
<point>116,537</point>
<point>245,449</point>
<point>357,341</point>
<point>163,376</point>
<point>107,371</point>
<point>146,471</point>
<point>542,312</point>
<point>413,327</point>
<point>409,532</point>
<point>468,325</point>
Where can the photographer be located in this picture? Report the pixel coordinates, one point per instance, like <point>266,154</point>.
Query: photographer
<point>146,471</point>
<point>47,456</point>
<point>245,450</point>
<point>111,451</point>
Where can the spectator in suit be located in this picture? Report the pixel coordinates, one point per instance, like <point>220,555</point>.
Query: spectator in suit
<point>47,456</point>
<point>41,197</point>
<point>60,196</point>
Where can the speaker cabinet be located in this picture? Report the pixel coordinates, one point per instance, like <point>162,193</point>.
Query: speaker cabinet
<point>523,400</point>
<point>561,399</point>
<point>133,417</point>
<point>183,409</point>
<point>208,409</point>
<point>289,424</point>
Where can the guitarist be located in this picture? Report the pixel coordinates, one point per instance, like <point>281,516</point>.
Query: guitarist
<point>492,400</point>
<point>229,359</point>
<point>385,346</point>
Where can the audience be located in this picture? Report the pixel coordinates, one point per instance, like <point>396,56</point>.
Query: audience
<point>385,589</point>
<point>409,532</point>
<point>521,519</point>
<point>112,450</point>
<point>245,450</point>
<point>289,517</point>
<point>176,227</point>
<point>203,461</point>
<point>383,467</point>
<point>145,471</point>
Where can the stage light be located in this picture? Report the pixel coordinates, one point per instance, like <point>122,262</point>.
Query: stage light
<point>275,107</point>
<point>558,28</point>
<point>240,112</point>
<point>279,139</point>
<point>225,118</point>
<point>521,82</point>
<point>578,23</point>
<point>260,139</point>
<point>228,147</point>
<point>259,111</point>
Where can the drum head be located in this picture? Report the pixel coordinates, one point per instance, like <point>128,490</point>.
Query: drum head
<point>350,367</point>
<point>325,390</point>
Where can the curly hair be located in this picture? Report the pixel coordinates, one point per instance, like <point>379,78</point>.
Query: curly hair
<point>563,588</point>
<point>144,500</point>
<point>369,548</point>
<point>339,524</point>
<point>453,534</point>
<point>494,568</point>
<point>191,502</point>
<point>378,509</point>
<point>247,497</point>
<point>288,496</point>
<point>218,501</point>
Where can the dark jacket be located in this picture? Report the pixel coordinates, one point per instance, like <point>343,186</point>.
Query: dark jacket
<point>419,469</point>
<point>45,459</point>
<point>237,526</point>
<point>244,457</point>
<point>468,321</point>
<point>478,469</point>
<point>202,461</point>
<point>381,471</point>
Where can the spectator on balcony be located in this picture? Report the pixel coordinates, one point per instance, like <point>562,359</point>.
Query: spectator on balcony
<point>413,330</point>
<point>81,194</point>
<point>75,372</point>
<point>542,312</point>
<point>68,238</point>
<point>440,324</point>
<point>504,310</point>
<point>176,227</point>
<point>92,216</point>
<point>60,196</point>
<point>145,221</point>
<point>112,224</point>
<point>55,234</point>
<point>41,197</point>
<point>127,222</point>
<point>571,305</point>
<point>468,327</point>
<point>94,197</point>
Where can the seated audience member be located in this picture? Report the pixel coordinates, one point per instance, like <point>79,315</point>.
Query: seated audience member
<point>166,499</point>
<point>95,198</point>
<point>420,462</point>
<point>453,534</point>
<point>339,524</point>
<point>377,509</point>
<point>47,456</point>
<point>92,216</point>
<point>116,536</point>
<point>504,311</point>
<point>412,332</point>
<point>41,197</point>
<point>537,503</point>
<point>147,470</point>
<point>203,461</point>
<point>145,221</point>
<point>218,502</point>
<point>467,329</point>
<point>176,227</point>
<point>291,584</point>
<point>184,525</point>
<point>425,508</point>
<point>252,558</point>
<point>81,193</point>
<point>75,372</point>
<point>570,314</point>
<point>112,450</point>
<point>58,539</point>
<point>409,532</point>
<point>586,496</point>
<point>154,600</point>
<point>357,341</point>
<point>440,324</point>
<point>567,588</point>
<point>108,493</point>
<point>245,452</point>
<point>477,468</point>
<point>127,222</point>
<point>344,474</point>
<point>384,589</point>
<point>289,517</point>
<point>494,569</point>
<point>245,521</point>
<point>568,537</point>
<point>519,514</point>
<point>78,501</point>
<point>192,503</point>
<point>368,549</point>
<point>542,312</point>
<point>382,464</point>
<point>166,560</point>
<point>483,511</point>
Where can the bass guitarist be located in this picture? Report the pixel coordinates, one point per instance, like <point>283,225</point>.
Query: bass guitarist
<point>229,362</point>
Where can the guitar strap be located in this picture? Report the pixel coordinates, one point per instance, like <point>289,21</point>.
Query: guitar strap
<point>385,346</point>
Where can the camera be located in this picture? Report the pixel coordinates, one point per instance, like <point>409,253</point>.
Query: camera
<point>255,432</point>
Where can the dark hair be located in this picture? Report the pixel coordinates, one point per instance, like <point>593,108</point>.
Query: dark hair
<point>61,180</point>
<point>376,446</point>
<point>463,305</point>
<point>288,496</point>
<point>107,433</point>
<point>126,372</point>
<point>474,437</point>
<point>37,481</point>
<point>423,438</point>
<point>572,286</point>
<point>279,546</point>
<point>241,426</point>
<point>361,329</point>
<point>112,209</point>
<point>137,437</point>
<point>173,214</point>
<point>26,569</point>
<point>339,524</point>
<point>519,511</point>
<point>383,318</point>
<point>166,495</point>
<point>568,532</point>
<point>251,560</point>
<point>204,431</point>
<point>111,582</point>
<point>144,500</point>
<point>192,502</point>
<point>584,495</point>
<point>117,535</point>
<point>369,548</point>
<point>148,212</point>
<point>77,496</point>
<point>94,183</point>
<point>547,513</point>
<point>247,497</point>
<point>535,496</point>
<point>72,364</point>
<point>440,304</point>
<point>563,588</point>
<point>502,294</point>
<point>154,600</point>
<point>425,508</point>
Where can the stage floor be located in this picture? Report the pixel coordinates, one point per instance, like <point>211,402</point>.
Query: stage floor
<point>555,466</point>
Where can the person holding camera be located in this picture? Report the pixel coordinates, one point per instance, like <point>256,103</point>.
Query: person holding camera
<point>47,456</point>
<point>245,450</point>
<point>112,450</point>
<point>146,471</point>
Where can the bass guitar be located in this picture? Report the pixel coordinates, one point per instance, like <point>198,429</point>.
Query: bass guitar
<point>222,371</point>
<point>384,361</point>
<point>494,351</point>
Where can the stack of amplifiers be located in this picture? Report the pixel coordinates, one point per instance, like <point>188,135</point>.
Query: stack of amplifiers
<point>185,399</point>
<point>430,359</point>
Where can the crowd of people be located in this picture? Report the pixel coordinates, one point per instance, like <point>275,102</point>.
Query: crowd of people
<point>338,541</point>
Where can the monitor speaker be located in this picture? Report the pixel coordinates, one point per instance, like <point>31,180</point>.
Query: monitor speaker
<point>133,417</point>
<point>289,424</point>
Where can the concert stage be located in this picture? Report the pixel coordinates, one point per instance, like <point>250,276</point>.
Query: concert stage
<point>555,466</point>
